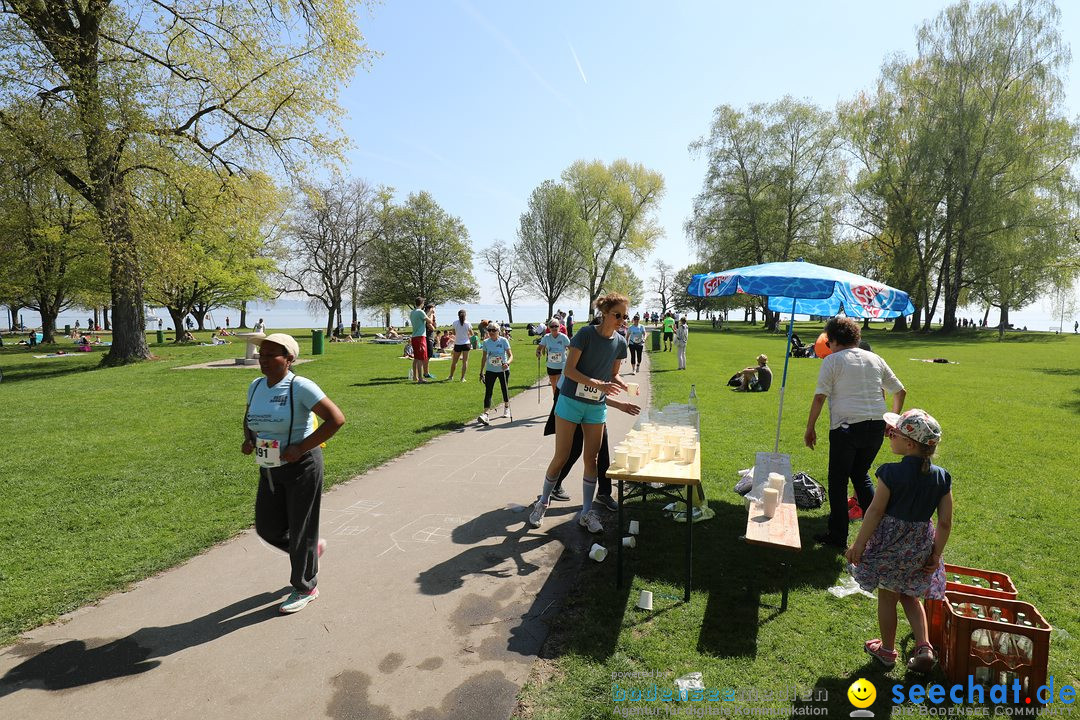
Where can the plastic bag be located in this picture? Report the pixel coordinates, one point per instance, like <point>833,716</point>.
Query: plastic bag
<point>746,481</point>
<point>809,494</point>
<point>846,587</point>
<point>688,682</point>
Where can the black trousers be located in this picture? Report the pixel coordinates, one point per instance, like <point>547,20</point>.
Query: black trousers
<point>635,353</point>
<point>851,453</point>
<point>603,461</point>
<point>489,386</point>
<point>287,514</point>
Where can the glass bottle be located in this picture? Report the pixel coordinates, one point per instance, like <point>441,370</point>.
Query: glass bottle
<point>693,399</point>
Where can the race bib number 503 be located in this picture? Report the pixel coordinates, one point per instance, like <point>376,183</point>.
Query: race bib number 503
<point>589,393</point>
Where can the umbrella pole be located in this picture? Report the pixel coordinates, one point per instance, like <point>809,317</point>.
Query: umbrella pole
<point>783,383</point>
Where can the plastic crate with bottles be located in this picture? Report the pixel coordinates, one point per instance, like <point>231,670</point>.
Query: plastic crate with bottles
<point>996,641</point>
<point>972,581</point>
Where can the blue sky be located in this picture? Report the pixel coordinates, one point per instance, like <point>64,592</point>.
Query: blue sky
<point>478,102</point>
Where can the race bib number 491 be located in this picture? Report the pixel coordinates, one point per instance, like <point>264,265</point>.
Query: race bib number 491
<point>267,452</point>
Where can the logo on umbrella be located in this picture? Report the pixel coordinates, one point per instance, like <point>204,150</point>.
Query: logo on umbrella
<point>866,294</point>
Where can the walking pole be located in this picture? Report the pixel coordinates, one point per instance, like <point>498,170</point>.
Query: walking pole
<point>539,379</point>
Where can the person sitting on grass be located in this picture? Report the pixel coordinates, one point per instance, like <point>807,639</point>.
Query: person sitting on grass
<point>756,379</point>
<point>188,337</point>
<point>392,334</point>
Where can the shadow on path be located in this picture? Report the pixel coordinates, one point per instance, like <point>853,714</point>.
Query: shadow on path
<point>83,662</point>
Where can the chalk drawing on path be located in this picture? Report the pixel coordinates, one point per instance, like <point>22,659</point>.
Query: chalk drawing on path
<point>425,530</point>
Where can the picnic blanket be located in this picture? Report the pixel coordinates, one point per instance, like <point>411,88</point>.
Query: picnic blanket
<point>935,360</point>
<point>56,355</point>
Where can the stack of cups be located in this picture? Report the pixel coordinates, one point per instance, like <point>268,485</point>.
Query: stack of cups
<point>772,499</point>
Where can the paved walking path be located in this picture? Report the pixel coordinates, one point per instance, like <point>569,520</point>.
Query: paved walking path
<point>434,602</point>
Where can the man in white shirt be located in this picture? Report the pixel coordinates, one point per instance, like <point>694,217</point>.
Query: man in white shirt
<point>854,381</point>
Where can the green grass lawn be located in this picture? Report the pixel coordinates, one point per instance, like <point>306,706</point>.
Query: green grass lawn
<point>113,474</point>
<point>1010,413</point>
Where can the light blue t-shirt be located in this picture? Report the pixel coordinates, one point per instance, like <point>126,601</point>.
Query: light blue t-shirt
<point>636,334</point>
<point>598,356</point>
<point>268,408</point>
<point>418,321</point>
<point>496,351</point>
<point>556,346</point>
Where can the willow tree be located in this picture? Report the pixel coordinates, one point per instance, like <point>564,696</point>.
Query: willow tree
<point>225,84</point>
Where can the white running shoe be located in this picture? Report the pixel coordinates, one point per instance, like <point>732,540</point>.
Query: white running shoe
<point>537,515</point>
<point>483,419</point>
<point>590,521</point>
<point>506,411</point>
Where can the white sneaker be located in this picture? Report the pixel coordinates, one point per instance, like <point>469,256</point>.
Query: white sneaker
<point>590,521</point>
<point>483,419</point>
<point>537,515</point>
<point>506,411</point>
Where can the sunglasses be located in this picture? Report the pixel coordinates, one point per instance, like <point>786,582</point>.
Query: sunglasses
<point>621,316</point>
<point>493,329</point>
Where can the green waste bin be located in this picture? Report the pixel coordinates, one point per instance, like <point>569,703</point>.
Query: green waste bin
<point>316,342</point>
<point>656,339</point>
<point>161,337</point>
<point>67,330</point>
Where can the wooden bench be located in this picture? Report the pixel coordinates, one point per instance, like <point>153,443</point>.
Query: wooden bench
<point>782,529</point>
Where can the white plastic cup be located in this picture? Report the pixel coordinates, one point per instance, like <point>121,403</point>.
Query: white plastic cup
<point>629,541</point>
<point>633,462</point>
<point>635,527</point>
<point>598,552</point>
<point>667,452</point>
<point>620,457</point>
<point>689,452</point>
<point>633,388</point>
<point>645,600</point>
<point>772,499</point>
<point>776,482</point>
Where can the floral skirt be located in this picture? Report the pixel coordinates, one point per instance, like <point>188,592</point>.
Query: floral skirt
<point>894,560</point>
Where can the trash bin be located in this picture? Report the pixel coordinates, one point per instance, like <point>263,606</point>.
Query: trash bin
<point>160,337</point>
<point>655,334</point>
<point>316,342</point>
<point>67,330</point>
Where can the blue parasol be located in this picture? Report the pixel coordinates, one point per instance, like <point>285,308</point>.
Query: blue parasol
<point>807,289</point>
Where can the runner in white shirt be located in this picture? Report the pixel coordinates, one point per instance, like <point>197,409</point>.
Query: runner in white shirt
<point>462,345</point>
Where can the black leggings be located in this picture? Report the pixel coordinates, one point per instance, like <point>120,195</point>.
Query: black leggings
<point>635,353</point>
<point>489,386</point>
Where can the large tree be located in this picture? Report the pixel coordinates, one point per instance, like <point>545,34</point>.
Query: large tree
<point>1007,147</point>
<point>332,231</point>
<point>616,204</point>
<point>500,259</point>
<point>421,250</point>
<point>664,286</point>
<point>550,243</point>
<point>224,83</point>
<point>773,183</point>
<point>204,243</point>
<point>49,238</point>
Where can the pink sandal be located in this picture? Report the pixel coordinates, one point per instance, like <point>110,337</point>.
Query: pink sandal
<point>875,649</point>
<point>924,659</point>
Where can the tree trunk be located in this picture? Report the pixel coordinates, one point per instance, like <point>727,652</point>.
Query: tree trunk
<point>243,315</point>
<point>866,323</point>
<point>177,315</point>
<point>1003,325</point>
<point>15,315</point>
<point>551,309</point>
<point>986,316</point>
<point>330,321</point>
<point>509,312</point>
<point>387,316</point>
<point>900,323</point>
<point>97,319</point>
<point>105,323</point>
<point>125,279</point>
<point>48,324</point>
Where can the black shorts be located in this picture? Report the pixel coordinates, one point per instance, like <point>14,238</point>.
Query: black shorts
<point>554,371</point>
<point>669,336</point>
<point>462,348</point>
